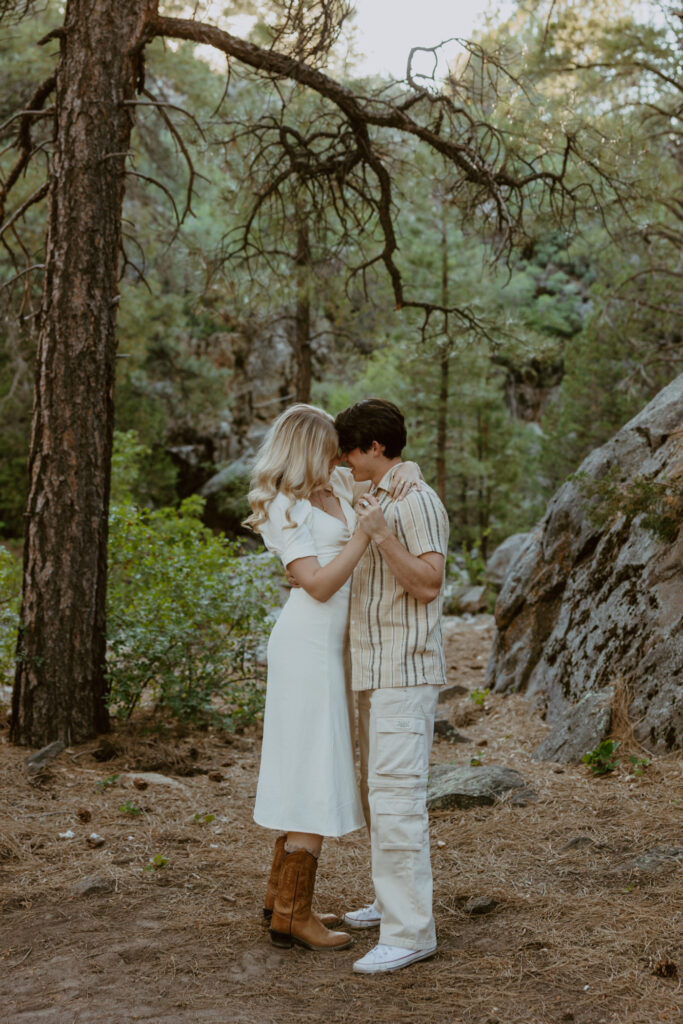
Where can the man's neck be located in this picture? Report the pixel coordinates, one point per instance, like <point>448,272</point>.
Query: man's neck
<point>383,467</point>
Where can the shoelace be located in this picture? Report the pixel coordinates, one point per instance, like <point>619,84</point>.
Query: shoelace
<point>382,952</point>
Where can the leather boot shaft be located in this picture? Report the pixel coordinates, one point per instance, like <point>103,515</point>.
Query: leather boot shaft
<point>293,920</point>
<point>329,920</point>
<point>275,868</point>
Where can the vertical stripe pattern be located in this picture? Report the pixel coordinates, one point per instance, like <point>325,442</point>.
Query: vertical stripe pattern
<point>395,640</point>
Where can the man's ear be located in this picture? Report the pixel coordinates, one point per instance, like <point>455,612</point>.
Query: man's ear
<point>377,449</point>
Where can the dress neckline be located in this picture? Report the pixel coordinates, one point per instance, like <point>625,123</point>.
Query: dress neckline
<point>342,522</point>
<point>341,518</point>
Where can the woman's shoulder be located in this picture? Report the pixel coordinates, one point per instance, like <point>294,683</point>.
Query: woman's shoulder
<point>284,509</point>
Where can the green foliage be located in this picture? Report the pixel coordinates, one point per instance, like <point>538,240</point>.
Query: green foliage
<point>20,75</point>
<point>187,614</point>
<point>10,586</point>
<point>658,503</point>
<point>638,765</point>
<point>16,355</point>
<point>105,784</point>
<point>601,760</point>
<point>478,696</point>
<point>194,343</point>
<point>156,863</point>
<point>204,819</point>
<point>489,455</point>
<point>231,501</point>
<point>126,464</point>
<point>475,564</point>
<point>131,809</point>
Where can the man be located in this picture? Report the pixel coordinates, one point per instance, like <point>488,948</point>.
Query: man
<point>397,667</point>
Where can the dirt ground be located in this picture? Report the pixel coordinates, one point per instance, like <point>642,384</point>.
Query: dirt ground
<point>583,928</point>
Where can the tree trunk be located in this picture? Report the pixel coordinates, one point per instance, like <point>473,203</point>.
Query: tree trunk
<point>302,320</point>
<point>60,685</point>
<point>483,490</point>
<point>444,371</point>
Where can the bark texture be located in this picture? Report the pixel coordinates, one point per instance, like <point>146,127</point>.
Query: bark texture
<point>444,371</point>
<point>60,684</point>
<point>302,322</point>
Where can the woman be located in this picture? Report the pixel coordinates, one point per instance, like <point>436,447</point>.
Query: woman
<point>302,507</point>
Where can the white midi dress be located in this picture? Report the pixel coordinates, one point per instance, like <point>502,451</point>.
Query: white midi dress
<point>307,780</point>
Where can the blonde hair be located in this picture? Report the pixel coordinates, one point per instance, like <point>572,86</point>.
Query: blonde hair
<point>294,460</point>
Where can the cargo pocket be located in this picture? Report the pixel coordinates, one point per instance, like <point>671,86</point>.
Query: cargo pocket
<point>401,746</point>
<point>400,824</point>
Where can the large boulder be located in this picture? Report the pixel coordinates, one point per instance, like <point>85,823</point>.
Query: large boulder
<point>584,607</point>
<point>502,558</point>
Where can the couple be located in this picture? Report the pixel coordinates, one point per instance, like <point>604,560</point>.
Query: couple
<point>388,619</point>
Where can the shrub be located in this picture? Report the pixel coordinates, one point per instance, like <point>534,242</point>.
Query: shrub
<point>638,765</point>
<point>187,613</point>
<point>10,588</point>
<point>601,760</point>
<point>187,616</point>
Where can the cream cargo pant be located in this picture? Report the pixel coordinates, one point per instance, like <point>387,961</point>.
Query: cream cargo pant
<point>395,732</point>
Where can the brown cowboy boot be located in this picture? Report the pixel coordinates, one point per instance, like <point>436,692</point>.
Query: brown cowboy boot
<point>271,888</point>
<point>292,920</point>
<point>329,920</point>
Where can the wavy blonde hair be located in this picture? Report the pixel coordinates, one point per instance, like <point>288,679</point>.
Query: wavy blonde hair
<point>294,460</point>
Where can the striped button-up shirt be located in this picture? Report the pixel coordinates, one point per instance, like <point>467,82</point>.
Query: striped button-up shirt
<point>394,640</point>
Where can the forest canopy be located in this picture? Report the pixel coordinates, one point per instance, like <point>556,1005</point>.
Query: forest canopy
<point>189,244</point>
<point>241,292</point>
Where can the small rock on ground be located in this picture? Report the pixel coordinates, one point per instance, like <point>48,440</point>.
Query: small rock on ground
<point>445,731</point>
<point>36,762</point>
<point>464,786</point>
<point>480,905</point>
<point>154,778</point>
<point>92,885</point>
<point>448,692</point>
<point>653,860</point>
<point>576,842</point>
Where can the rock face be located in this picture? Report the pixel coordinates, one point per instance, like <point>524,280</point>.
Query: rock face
<point>473,600</point>
<point>584,608</point>
<point>580,730</point>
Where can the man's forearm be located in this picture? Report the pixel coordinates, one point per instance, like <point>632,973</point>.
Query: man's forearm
<point>416,575</point>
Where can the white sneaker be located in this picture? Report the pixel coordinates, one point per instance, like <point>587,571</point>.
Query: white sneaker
<point>366,917</point>
<point>389,958</point>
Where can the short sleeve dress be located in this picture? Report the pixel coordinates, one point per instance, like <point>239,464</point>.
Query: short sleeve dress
<point>307,780</point>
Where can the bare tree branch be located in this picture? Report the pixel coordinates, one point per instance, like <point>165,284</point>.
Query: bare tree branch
<point>36,196</point>
<point>366,110</point>
<point>159,184</point>
<point>24,142</point>
<point>15,10</point>
<point>16,277</point>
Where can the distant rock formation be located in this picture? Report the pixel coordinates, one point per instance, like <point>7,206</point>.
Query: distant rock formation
<point>530,386</point>
<point>587,611</point>
<point>498,564</point>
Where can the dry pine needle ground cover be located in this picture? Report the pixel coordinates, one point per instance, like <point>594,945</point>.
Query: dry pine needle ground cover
<point>577,930</point>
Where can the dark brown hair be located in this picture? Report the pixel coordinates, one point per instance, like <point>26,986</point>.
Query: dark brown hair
<point>374,419</point>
